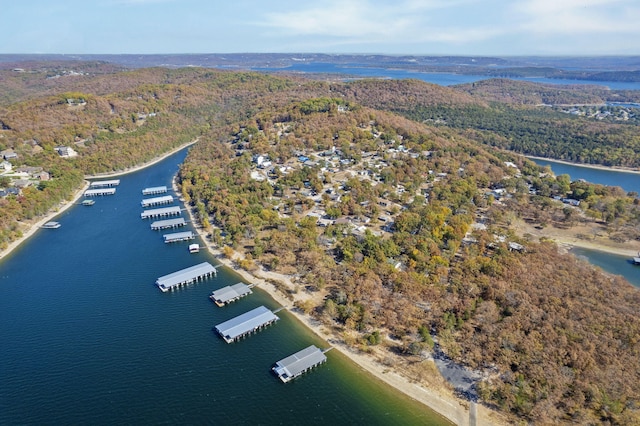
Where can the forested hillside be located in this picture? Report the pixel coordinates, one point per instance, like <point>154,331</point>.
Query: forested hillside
<point>377,197</point>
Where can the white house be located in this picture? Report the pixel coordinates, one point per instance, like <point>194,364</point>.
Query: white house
<point>66,151</point>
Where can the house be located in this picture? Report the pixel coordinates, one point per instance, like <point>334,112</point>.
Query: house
<point>9,155</point>
<point>66,151</point>
<point>5,166</point>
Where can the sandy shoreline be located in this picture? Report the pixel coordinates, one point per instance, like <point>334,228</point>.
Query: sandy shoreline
<point>448,406</point>
<point>33,227</point>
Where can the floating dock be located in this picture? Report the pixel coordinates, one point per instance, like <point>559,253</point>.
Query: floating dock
<point>297,364</point>
<point>154,190</point>
<point>163,212</point>
<point>636,261</point>
<point>245,324</point>
<point>156,201</point>
<point>230,294</point>
<point>194,248</point>
<point>169,223</point>
<point>88,202</point>
<point>99,191</point>
<point>186,276</point>
<point>178,236</point>
<point>104,183</point>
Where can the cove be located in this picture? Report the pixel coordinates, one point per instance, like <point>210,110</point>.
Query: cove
<point>87,338</point>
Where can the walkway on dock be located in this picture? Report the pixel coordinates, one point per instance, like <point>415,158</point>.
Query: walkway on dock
<point>245,324</point>
<point>186,276</point>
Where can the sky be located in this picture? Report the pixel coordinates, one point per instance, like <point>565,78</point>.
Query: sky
<point>395,27</point>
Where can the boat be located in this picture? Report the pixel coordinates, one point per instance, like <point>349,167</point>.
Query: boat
<point>51,225</point>
<point>636,260</point>
<point>88,202</point>
<point>194,248</point>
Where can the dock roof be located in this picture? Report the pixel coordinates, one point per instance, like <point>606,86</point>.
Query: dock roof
<point>185,275</point>
<point>165,199</point>
<point>154,190</point>
<point>178,236</point>
<point>242,324</point>
<point>168,223</point>
<point>229,293</point>
<point>296,364</point>
<point>102,183</point>
<point>165,211</point>
<point>99,191</point>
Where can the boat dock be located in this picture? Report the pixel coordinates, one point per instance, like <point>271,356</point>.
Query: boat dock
<point>88,202</point>
<point>154,190</point>
<point>169,223</point>
<point>178,236</point>
<point>51,225</point>
<point>156,201</point>
<point>229,294</point>
<point>163,212</point>
<point>194,248</point>
<point>99,191</point>
<point>186,276</point>
<point>297,364</point>
<point>636,261</point>
<point>104,183</point>
<point>245,324</point>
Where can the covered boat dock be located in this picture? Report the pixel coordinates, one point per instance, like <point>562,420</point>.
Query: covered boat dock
<point>156,201</point>
<point>99,191</point>
<point>105,183</point>
<point>169,223</point>
<point>297,364</point>
<point>178,236</point>
<point>163,212</point>
<point>245,324</point>
<point>186,276</point>
<point>154,190</point>
<point>230,294</point>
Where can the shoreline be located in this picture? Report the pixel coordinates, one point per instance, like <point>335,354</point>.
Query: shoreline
<point>586,166</point>
<point>447,406</point>
<point>55,211</point>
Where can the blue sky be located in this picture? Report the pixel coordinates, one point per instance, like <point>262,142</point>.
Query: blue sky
<point>418,27</point>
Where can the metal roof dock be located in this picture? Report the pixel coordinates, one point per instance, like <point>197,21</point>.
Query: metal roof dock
<point>156,201</point>
<point>100,191</point>
<point>297,364</point>
<point>163,212</point>
<point>178,236</point>
<point>169,223</point>
<point>247,323</point>
<point>105,183</point>
<point>186,276</point>
<point>230,294</point>
<point>154,190</point>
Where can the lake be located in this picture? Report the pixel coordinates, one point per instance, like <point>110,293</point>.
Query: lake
<point>87,338</point>
<point>442,79</point>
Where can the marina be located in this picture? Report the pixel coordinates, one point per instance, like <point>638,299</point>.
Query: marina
<point>299,363</point>
<point>105,183</point>
<point>163,212</point>
<point>179,236</point>
<point>229,294</point>
<point>99,192</point>
<point>245,324</point>
<point>168,223</point>
<point>154,190</point>
<point>51,225</point>
<point>156,201</point>
<point>186,276</point>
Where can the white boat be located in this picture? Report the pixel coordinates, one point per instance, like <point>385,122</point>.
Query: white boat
<point>194,248</point>
<point>51,225</point>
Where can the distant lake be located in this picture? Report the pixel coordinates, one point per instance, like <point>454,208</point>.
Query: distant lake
<point>627,181</point>
<point>442,79</point>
